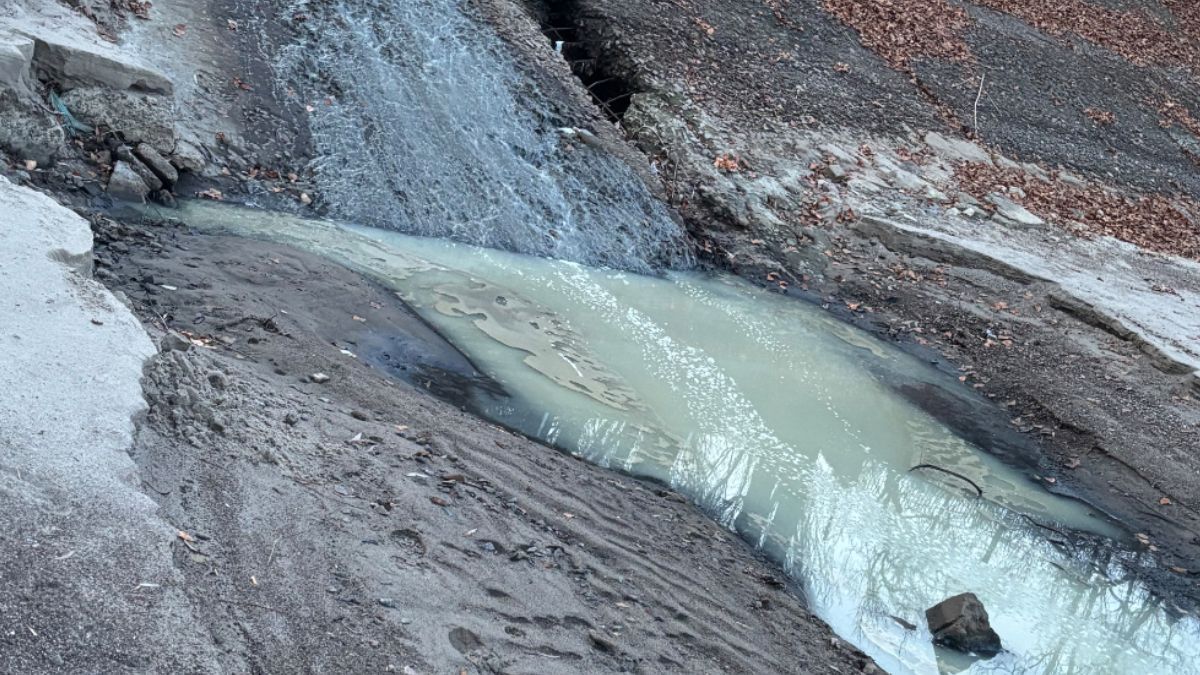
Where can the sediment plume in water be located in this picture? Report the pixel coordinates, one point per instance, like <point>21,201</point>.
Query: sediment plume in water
<point>784,425</point>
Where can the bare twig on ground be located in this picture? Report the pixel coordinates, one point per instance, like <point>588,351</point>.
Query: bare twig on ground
<point>975,122</point>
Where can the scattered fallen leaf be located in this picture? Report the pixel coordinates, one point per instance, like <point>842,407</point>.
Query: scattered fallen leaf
<point>1179,570</point>
<point>727,162</point>
<point>231,24</point>
<point>439,501</point>
<point>1100,117</point>
<point>185,536</point>
<point>1164,501</point>
<point>211,193</point>
<point>180,30</point>
<point>359,319</point>
<point>240,84</point>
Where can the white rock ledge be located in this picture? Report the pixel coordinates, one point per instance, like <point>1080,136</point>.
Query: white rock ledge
<point>77,534</point>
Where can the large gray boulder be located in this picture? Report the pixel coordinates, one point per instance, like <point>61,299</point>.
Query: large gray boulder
<point>961,623</point>
<point>16,61</point>
<point>138,116</point>
<point>157,163</point>
<point>126,184</point>
<point>78,64</point>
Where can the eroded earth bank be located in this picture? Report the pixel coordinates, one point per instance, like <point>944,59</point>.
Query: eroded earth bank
<point>229,455</point>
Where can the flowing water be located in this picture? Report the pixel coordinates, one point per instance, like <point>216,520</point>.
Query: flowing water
<point>785,425</point>
<point>432,124</point>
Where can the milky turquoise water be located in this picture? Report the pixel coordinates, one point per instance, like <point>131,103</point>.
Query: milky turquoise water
<point>783,424</point>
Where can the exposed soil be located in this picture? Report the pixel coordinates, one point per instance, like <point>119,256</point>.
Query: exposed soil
<point>1153,222</point>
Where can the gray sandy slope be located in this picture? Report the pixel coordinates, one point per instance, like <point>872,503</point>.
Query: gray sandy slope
<point>87,583</point>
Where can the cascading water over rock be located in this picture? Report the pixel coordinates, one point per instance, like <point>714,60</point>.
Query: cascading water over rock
<point>425,125</point>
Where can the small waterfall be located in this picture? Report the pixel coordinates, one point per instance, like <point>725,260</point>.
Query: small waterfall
<point>423,124</point>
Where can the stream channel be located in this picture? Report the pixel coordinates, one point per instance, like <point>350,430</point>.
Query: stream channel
<point>795,430</point>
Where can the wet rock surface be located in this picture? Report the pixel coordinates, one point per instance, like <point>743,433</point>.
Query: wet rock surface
<point>961,623</point>
<point>126,184</point>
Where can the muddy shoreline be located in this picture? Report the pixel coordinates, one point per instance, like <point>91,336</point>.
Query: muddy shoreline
<point>493,516</point>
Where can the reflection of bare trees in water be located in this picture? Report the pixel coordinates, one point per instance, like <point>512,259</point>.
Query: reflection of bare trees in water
<point>1086,614</point>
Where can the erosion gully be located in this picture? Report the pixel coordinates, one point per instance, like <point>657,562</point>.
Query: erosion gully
<point>813,440</point>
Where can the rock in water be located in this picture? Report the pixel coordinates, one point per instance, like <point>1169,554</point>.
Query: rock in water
<point>126,184</point>
<point>961,623</point>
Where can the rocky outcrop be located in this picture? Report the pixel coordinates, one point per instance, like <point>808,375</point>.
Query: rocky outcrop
<point>126,185</point>
<point>138,116</point>
<point>24,132</point>
<point>961,623</point>
<point>16,57</point>
<point>82,65</point>
<point>99,85</point>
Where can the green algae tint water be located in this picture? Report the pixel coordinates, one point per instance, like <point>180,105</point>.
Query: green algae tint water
<point>785,425</point>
